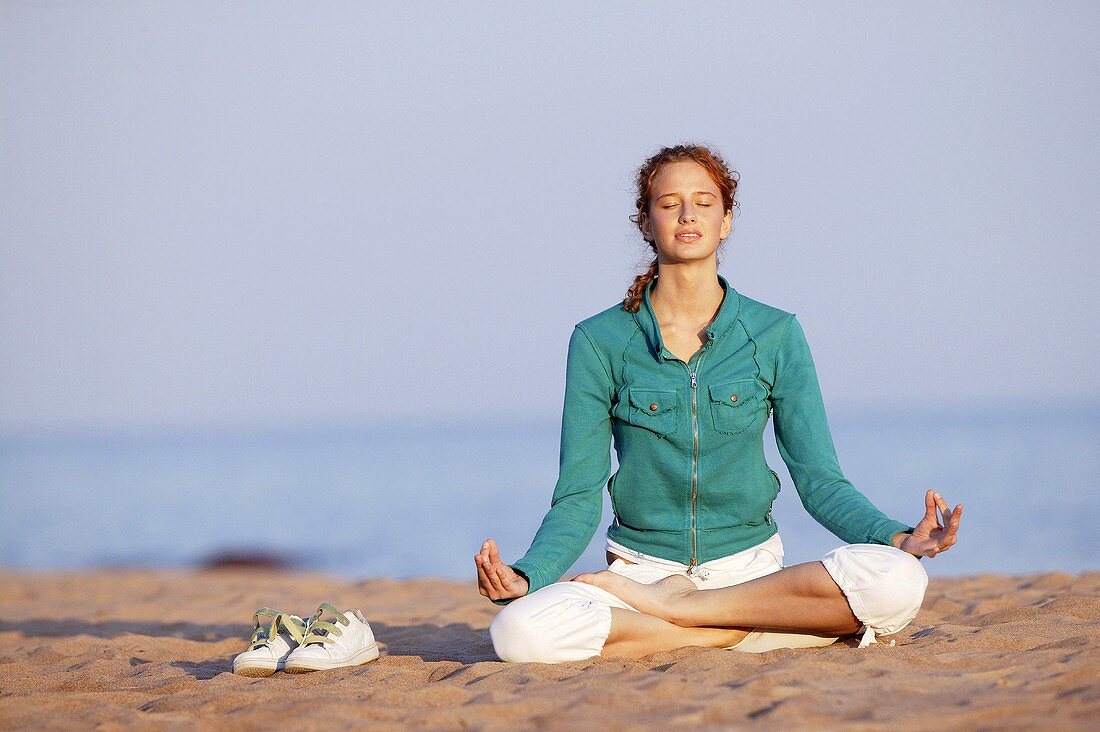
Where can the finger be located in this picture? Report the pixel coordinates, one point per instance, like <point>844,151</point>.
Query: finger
<point>491,582</point>
<point>944,508</point>
<point>485,548</point>
<point>928,521</point>
<point>930,507</point>
<point>494,577</point>
<point>483,582</point>
<point>485,589</point>
<point>953,517</point>
<point>952,530</point>
<point>499,573</point>
<point>479,562</point>
<point>506,577</point>
<point>493,553</point>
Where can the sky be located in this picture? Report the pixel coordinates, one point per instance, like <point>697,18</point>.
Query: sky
<point>228,215</point>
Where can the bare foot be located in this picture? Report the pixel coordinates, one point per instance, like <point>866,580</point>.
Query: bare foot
<point>661,599</point>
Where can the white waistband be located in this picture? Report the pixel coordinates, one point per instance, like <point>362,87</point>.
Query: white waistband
<point>772,544</point>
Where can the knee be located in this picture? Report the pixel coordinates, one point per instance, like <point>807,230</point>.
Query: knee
<point>515,635</point>
<point>884,586</point>
<point>900,589</point>
<point>562,622</point>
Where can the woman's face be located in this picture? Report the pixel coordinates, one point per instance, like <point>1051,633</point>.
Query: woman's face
<point>686,219</point>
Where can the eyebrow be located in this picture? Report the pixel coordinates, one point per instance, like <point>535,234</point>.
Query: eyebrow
<point>696,193</point>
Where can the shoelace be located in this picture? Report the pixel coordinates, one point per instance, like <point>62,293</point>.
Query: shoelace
<point>321,631</point>
<point>265,632</point>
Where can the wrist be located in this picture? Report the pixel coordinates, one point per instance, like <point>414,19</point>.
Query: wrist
<point>522,581</point>
<point>899,538</point>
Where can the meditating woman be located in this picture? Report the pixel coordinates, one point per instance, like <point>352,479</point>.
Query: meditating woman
<point>682,377</point>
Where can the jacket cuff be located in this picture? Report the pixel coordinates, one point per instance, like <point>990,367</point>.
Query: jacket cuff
<point>886,532</point>
<point>519,569</point>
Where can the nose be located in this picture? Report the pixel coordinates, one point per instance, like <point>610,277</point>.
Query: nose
<point>687,214</point>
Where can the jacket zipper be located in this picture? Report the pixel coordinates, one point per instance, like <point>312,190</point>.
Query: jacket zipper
<point>693,373</point>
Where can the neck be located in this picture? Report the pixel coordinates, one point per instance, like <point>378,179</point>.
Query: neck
<point>687,291</point>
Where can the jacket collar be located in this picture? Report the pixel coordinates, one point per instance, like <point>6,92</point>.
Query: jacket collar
<point>726,317</point>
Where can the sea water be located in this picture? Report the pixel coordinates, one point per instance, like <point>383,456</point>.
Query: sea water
<point>410,501</point>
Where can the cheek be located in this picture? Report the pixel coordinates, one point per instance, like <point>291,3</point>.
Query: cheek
<point>665,219</point>
<point>653,224</point>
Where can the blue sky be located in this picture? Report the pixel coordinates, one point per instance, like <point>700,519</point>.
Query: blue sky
<point>240,214</point>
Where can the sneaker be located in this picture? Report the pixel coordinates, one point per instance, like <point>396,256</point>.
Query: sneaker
<point>277,634</point>
<point>333,639</point>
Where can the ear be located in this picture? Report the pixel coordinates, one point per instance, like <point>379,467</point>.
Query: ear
<point>727,225</point>
<point>643,222</point>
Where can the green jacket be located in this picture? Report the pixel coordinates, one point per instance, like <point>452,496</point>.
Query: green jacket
<point>692,483</point>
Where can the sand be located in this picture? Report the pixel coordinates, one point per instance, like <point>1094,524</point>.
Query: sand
<point>154,649</point>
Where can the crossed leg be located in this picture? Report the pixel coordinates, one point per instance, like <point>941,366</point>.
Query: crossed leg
<point>801,598</point>
<point>636,634</point>
<point>798,607</point>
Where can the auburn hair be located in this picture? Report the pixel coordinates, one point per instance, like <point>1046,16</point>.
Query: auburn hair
<point>716,168</point>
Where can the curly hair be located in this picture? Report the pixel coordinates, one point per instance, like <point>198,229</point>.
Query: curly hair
<point>716,167</point>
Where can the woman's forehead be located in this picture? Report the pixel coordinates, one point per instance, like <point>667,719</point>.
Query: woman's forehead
<point>683,176</point>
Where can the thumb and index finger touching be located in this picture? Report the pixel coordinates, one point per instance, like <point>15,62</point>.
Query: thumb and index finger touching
<point>934,502</point>
<point>935,507</point>
<point>488,561</point>
<point>489,557</point>
<point>951,519</point>
<point>496,580</point>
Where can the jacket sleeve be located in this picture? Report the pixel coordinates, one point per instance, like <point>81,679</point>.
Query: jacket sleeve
<point>584,467</point>
<point>802,434</point>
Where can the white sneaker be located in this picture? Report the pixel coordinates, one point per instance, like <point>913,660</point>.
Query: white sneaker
<point>277,634</point>
<point>333,639</point>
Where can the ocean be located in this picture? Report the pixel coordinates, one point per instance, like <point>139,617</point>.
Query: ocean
<point>409,501</point>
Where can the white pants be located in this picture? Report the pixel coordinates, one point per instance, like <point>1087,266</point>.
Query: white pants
<point>570,621</point>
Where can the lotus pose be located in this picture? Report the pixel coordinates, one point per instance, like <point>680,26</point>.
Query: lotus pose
<point>681,377</point>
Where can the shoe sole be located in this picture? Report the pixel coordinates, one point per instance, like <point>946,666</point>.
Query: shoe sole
<point>363,655</point>
<point>255,671</point>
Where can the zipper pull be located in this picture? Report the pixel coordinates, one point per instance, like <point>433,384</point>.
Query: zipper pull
<point>696,571</point>
<point>693,384</point>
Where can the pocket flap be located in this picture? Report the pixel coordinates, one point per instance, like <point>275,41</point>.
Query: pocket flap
<point>735,393</point>
<point>653,401</point>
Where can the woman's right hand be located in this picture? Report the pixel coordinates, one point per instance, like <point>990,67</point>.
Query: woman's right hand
<point>495,579</point>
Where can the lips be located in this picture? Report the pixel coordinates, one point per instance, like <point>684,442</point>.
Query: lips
<point>689,235</point>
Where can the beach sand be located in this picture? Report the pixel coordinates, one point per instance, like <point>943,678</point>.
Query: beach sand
<point>154,649</point>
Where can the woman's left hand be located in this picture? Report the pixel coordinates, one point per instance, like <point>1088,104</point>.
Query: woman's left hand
<point>931,536</point>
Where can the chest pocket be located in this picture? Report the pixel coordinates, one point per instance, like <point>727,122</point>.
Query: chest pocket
<point>736,405</point>
<point>652,409</point>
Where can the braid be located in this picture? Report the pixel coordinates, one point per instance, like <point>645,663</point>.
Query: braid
<point>636,293</point>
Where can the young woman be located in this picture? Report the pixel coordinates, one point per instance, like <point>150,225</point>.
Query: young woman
<point>682,377</point>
